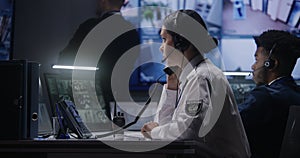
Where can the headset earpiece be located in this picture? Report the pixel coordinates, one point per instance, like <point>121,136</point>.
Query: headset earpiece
<point>180,43</point>
<point>270,63</point>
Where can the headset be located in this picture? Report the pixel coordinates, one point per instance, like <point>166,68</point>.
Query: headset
<point>180,42</point>
<point>270,63</point>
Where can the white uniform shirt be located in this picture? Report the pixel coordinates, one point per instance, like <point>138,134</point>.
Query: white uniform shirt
<point>206,112</point>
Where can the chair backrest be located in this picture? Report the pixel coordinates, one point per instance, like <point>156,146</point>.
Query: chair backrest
<point>291,141</point>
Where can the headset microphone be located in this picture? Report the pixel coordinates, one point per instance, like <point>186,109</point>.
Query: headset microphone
<point>171,70</point>
<point>164,59</point>
<point>251,73</point>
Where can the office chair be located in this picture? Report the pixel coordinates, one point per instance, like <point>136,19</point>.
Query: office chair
<point>291,141</point>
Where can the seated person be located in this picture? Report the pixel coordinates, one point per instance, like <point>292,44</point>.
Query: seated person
<point>265,110</point>
<point>198,105</point>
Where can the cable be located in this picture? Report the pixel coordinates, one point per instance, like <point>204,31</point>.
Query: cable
<point>138,115</point>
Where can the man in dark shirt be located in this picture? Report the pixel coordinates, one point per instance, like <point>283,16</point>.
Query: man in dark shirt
<point>265,111</point>
<point>120,45</point>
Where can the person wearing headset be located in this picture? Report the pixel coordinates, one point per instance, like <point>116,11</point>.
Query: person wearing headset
<point>197,102</point>
<point>265,110</point>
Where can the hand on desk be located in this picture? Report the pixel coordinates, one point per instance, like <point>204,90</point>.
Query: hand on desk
<point>147,128</point>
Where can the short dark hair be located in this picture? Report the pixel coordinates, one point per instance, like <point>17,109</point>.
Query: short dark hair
<point>285,47</point>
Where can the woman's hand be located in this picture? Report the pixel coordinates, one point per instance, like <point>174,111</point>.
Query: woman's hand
<point>147,128</point>
<point>173,79</point>
<point>172,82</point>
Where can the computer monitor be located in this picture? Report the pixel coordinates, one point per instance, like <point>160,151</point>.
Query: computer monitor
<point>90,107</point>
<point>253,18</point>
<point>241,88</point>
<point>238,53</point>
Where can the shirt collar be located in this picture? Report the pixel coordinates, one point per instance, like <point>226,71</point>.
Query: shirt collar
<point>197,60</point>
<point>275,80</point>
<point>190,66</point>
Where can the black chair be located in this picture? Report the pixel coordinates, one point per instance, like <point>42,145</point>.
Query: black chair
<point>291,141</point>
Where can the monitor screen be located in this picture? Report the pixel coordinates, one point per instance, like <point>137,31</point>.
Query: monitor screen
<point>240,17</point>
<point>241,88</point>
<point>6,28</point>
<point>91,108</point>
<point>238,53</point>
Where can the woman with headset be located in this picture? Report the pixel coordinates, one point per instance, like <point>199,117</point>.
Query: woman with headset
<point>265,110</point>
<point>197,102</point>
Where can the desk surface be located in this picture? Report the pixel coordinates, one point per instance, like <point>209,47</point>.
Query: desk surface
<point>132,146</point>
<point>91,146</point>
<point>65,147</point>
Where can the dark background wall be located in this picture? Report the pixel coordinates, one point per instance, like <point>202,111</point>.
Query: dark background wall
<point>44,27</point>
